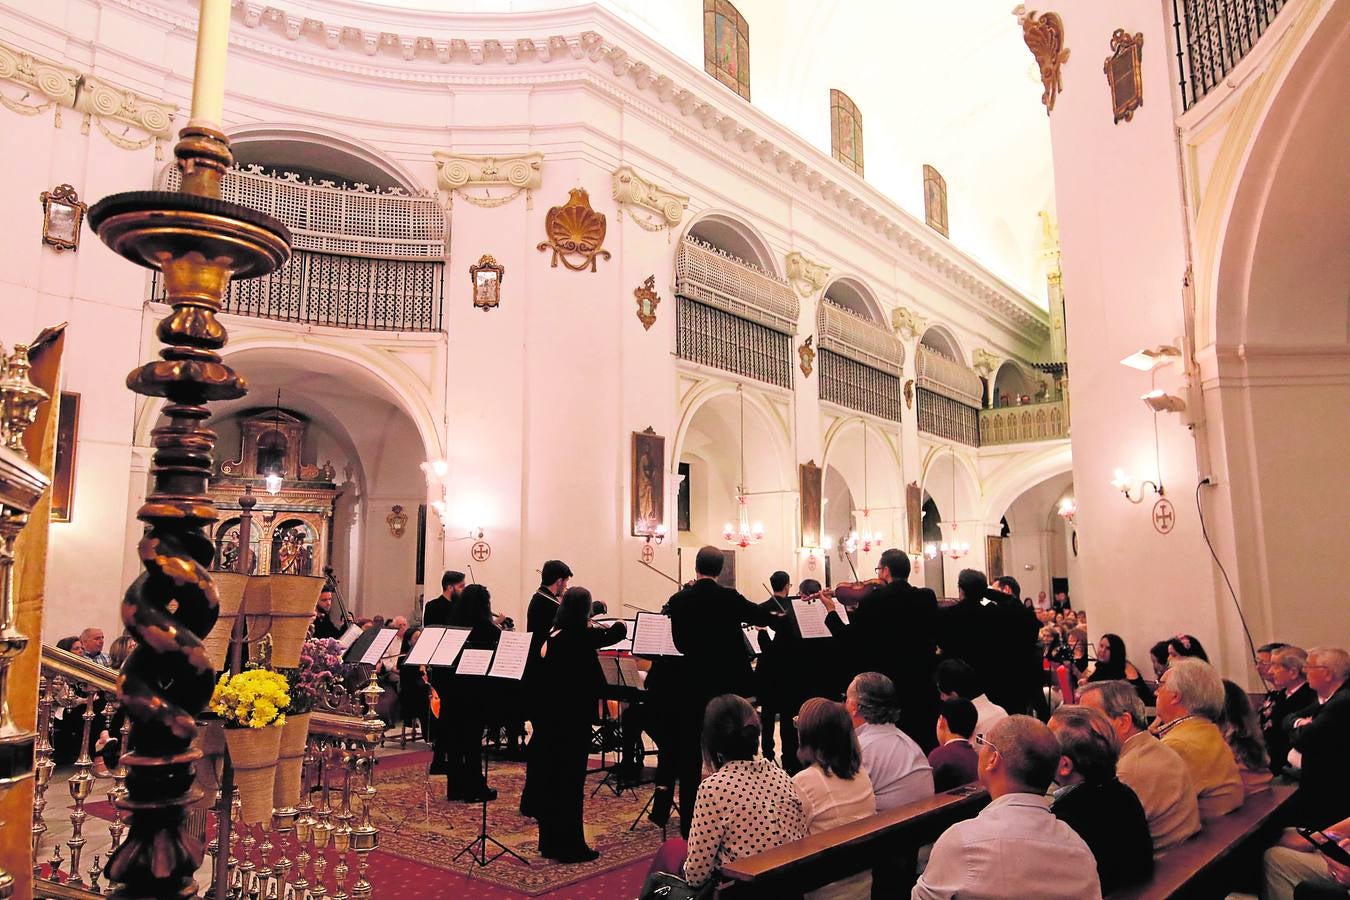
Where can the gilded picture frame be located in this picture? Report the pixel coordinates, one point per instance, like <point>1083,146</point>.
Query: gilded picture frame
<point>810,481</point>
<point>648,482</point>
<point>914,517</point>
<point>486,275</point>
<point>993,557</point>
<point>1124,71</point>
<point>62,217</point>
<point>63,469</point>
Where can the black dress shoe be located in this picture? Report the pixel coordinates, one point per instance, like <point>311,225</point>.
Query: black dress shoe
<point>662,800</point>
<point>582,854</point>
<point>486,794</point>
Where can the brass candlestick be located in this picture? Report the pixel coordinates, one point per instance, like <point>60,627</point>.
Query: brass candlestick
<point>198,243</point>
<point>42,768</point>
<point>118,827</point>
<point>81,785</point>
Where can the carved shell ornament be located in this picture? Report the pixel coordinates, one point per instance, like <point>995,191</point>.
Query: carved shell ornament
<point>575,229</point>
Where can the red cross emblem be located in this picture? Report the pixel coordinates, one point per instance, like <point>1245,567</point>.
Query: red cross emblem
<point>648,553</point>
<point>811,562</point>
<point>1164,516</point>
<point>480,551</point>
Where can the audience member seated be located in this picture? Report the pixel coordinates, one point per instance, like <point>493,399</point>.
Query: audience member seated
<point>1113,665</point>
<point>1015,848</point>
<point>1078,661</point>
<point>894,763</point>
<point>1320,736</point>
<point>1243,734</point>
<point>1154,771</point>
<point>956,679</point>
<point>1157,654</point>
<point>119,651</point>
<point>1289,693</point>
<point>745,807</point>
<point>1190,701</point>
<point>91,644</point>
<point>1091,800</point>
<point>1295,869</point>
<point>834,786</point>
<point>954,760</point>
<point>1185,646</point>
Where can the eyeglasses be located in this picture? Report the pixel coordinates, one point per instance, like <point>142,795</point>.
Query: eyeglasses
<point>980,739</point>
<point>1309,668</point>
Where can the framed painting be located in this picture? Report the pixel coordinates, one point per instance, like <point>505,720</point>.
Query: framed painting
<point>993,557</point>
<point>648,482</point>
<point>810,479</point>
<point>728,576</point>
<point>914,518</point>
<point>1125,75</point>
<point>682,499</point>
<point>63,474</point>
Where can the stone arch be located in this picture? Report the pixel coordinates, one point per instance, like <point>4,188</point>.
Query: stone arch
<point>352,159</point>
<point>941,339</point>
<point>755,405</point>
<point>885,481</point>
<point>855,296</point>
<point>1030,470</point>
<point>728,231</point>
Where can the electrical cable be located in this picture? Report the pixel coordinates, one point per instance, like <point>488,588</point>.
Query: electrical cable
<point>1251,644</point>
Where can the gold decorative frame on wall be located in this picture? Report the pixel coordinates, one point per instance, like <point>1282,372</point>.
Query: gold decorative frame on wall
<point>807,355</point>
<point>575,229</point>
<point>62,217</point>
<point>647,301</point>
<point>1124,71</point>
<point>993,557</point>
<point>649,482</point>
<point>811,483</point>
<point>63,471</point>
<point>914,517</point>
<point>487,275</point>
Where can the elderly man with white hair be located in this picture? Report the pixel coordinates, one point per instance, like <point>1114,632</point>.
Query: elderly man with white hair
<point>1190,700</point>
<point>1289,693</point>
<point>1320,736</point>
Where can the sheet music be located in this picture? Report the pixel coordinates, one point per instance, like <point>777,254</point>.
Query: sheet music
<point>609,666</point>
<point>625,645</point>
<point>375,652</point>
<point>451,643</point>
<point>512,651</point>
<point>628,670</point>
<point>424,646</point>
<point>474,662</point>
<point>811,618</point>
<point>751,634</point>
<point>349,636</point>
<point>652,637</point>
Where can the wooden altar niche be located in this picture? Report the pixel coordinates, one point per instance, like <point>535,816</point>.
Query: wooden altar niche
<point>292,530</point>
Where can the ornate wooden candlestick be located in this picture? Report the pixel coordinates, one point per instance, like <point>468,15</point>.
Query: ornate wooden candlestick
<point>198,243</point>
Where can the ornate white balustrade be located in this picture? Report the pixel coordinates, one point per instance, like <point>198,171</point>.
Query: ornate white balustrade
<point>1029,422</point>
<point>860,362</point>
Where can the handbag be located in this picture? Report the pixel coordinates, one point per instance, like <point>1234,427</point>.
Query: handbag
<point>664,886</point>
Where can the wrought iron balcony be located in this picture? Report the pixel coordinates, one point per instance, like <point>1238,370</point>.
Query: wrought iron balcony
<point>1212,38</point>
<point>949,397</point>
<point>1029,422</point>
<point>860,362</point>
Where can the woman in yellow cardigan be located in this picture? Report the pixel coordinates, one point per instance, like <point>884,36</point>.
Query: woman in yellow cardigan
<point>1190,701</point>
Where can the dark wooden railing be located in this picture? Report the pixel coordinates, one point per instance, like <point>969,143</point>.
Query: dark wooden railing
<point>1212,38</point>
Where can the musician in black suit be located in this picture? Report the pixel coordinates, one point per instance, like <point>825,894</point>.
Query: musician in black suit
<point>468,701</point>
<point>779,675</point>
<point>324,626</point>
<point>705,623</point>
<point>892,632</point>
<point>567,692</point>
<point>440,611</point>
<point>539,616</point>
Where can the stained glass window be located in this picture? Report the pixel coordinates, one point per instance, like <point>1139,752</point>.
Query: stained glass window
<point>935,200</point>
<point>726,46</point>
<point>846,135</point>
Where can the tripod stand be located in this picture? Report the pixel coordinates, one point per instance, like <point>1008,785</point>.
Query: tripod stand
<point>478,847</point>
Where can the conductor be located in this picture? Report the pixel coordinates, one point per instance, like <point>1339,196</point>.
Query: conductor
<point>705,623</point>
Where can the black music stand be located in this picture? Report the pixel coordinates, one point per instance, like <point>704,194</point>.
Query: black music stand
<point>612,730</point>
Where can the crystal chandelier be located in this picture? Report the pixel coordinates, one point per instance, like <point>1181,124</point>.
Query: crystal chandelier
<point>954,548</point>
<point>1068,509</point>
<point>743,534</point>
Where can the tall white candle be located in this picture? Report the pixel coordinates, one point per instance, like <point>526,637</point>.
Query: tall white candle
<point>208,81</point>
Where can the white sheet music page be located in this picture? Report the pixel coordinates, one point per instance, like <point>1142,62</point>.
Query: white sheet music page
<point>652,637</point>
<point>349,636</point>
<point>811,618</point>
<point>451,643</point>
<point>375,652</point>
<point>474,662</point>
<point>424,646</point>
<point>512,651</point>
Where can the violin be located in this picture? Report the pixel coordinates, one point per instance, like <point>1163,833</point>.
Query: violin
<point>850,593</point>
<point>505,623</point>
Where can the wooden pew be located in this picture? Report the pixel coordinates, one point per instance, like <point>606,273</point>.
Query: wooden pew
<point>820,859</point>
<point>1208,864</point>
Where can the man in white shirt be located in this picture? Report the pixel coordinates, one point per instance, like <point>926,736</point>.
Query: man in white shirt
<point>956,679</point>
<point>895,764</point>
<point>1015,848</point>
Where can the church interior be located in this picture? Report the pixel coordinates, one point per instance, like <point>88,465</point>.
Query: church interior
<point>320,313</point>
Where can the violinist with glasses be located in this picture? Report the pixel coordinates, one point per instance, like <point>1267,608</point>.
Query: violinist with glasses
<point>779,672</point>
<point>892,631</point>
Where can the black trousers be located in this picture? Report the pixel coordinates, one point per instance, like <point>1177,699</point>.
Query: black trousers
<point>462,737</point>
<point>769,712</point>
<point>560,749</point>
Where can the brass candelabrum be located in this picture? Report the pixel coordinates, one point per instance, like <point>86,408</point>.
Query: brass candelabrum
<point>42,770</point>
<point>21,487</point>
<point>198,243</point>
<point>81,785</point>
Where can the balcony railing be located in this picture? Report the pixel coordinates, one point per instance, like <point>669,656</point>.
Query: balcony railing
<point>1031,422</point>
<point>949,397</point>
<point>1212,38</point>
<point>341,292</point>
<point>860,362</point>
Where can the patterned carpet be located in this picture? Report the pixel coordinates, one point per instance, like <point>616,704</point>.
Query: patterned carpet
<point>420,833</point>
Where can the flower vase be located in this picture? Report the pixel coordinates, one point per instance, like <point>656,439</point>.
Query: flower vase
<point>210,740</point>
<point>230,587</point>
<point>253,754</point>
<point>294,598</point>
<point>290,763</point>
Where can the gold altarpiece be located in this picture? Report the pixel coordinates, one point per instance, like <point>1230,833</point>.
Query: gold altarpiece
<point>292,530</point>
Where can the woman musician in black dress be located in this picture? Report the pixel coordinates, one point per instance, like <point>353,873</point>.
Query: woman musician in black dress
<point>568,693</point>
<point>470,702</point>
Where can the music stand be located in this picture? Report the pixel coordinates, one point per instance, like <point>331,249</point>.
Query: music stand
<point>478,847</point>
<point>613,729</point>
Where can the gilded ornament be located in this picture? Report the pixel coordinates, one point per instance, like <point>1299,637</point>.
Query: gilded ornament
<point>575,229</point>
<point>1125,74</point>
<point>631,189</point>
<point>1044,36</point>
<point>984,362</point>
<point>397,521</point>
<point>909,394</point>
<point>62,215</point>
<point>486,276</point>
<point>809,278</point>
<point>647,301</point>
<point>807,354</point>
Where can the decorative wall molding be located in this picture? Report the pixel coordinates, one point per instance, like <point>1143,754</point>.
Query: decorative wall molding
<point>1044,36</point>
<point>985,362</point>
<point>101,101</point>
<point>455,172</point>
<point>808,277</point>
<point>909,323</point>
<point>631,189</point>
<point>421,51</point>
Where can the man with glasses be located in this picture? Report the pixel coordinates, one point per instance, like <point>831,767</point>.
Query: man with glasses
<point>891,632</point>
<point>1320,736</point>
<point>1015,848</point>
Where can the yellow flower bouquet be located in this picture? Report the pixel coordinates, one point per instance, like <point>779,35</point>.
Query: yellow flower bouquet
<point>252,706</point>
<point>253,699</point>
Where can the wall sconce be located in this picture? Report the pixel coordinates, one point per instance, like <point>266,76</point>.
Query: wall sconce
<point>1069,509</point>
<point>1147,360</point>
<point>1161,401</point>
<point>1124,484</point>
<point>653,535</point>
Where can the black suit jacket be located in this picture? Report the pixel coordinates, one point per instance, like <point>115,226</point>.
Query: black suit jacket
<point>1277,707</point>
<point>438,611</point>
<point>571,679</point>
<point>538,620</point>
<point>705,623</point>
<point>1110,819</point>
<point>1324,785</point>
<point>1015,673</point>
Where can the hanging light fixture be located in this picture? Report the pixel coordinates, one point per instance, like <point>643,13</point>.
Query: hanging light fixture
<point>1068,509</point>
<point>865,539</point>
<point>743,534</point>
<point>955,548</point>
<point>274,479</point>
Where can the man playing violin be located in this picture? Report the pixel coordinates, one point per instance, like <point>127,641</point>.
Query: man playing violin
<point>892,632</point>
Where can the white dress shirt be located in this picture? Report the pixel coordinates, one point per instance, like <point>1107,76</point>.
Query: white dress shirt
<point>899,771</point>
<point>1013,850</point>
<point>987,714</point>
